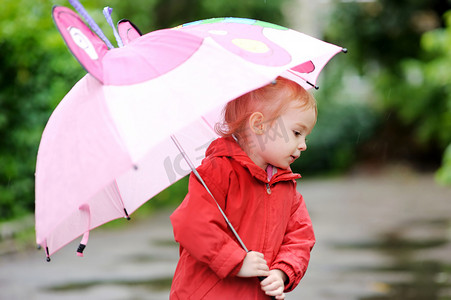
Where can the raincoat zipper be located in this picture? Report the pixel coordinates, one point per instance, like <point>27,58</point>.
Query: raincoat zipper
<point>268,189</point>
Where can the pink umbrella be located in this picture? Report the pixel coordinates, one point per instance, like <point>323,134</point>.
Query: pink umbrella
<point>114,140</point>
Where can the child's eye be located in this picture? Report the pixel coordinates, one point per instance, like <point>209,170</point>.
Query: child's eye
<point>297,133</point>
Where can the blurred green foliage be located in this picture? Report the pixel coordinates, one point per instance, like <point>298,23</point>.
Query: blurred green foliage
<point>436,75</point>
<point>402,50</point>
<point>35,75</point>
<point>37,70</point>
<point>344,123</point>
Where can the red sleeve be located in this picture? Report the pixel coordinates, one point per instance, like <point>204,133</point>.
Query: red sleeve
<point>294,254</point>
<point>199,226</point>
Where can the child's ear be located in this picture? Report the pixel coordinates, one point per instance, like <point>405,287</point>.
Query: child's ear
<point>256,123</point>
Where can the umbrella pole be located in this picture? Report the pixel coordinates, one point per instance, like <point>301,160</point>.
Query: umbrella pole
<point>191,165</point>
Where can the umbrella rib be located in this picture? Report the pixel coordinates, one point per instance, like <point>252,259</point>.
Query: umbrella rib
<point>116,189</point>
<point>191,165</point>
<point>208,125</point>
<point>308,82</point>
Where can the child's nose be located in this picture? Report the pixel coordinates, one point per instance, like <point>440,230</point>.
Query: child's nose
<point>302,146</point>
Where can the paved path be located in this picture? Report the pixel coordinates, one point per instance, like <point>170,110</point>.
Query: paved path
<point>367,228</point>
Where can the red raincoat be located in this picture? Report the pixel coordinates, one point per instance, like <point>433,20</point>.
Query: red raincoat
<point>270,217</point>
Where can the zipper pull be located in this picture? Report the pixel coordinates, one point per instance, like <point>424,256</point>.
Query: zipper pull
<point>268,189</point>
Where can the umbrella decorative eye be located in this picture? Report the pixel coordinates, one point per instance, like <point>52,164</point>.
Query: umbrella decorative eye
<point>83,42</point>
<point>307,67</point>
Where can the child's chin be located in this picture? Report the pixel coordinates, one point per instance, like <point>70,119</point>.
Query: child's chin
<point>283,167</point>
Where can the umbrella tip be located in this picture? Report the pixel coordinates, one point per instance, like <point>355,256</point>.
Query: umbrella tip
<point>80,250</point>
<point>313,85</point>
<point>47,253</point>
<point>344,50</point>
<point>126,214</point>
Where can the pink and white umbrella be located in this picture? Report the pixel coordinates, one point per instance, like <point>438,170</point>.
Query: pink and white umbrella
<point>109,145</point>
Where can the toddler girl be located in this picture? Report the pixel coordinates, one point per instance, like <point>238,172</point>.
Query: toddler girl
<point>248,172</point>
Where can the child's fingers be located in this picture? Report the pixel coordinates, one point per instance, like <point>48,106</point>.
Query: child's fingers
<point>254,264</point>
<point>261,273</point>
<point>258,254</point>
<point>273,286</point>
<point>270,280</point>
<point>276,292</point>
<point>263,266</point>
<point>259,261</point>
<point>259,258</point>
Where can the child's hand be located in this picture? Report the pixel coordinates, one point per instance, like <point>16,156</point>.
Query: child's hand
<point>254,265</point>
<point>274,285</point>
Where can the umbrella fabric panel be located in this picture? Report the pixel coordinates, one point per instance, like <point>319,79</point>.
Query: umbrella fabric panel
<point>246,40</point>
<point>164,164</point>
<point>148,57</point>
<point>75,156</point>
<point>268,44</point>
<point>105,206</point>
<point>304,48</point>
<point>149,112</point>
<point>308,80</point>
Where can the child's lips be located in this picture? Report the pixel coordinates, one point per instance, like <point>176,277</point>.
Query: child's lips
<point>293,158</point>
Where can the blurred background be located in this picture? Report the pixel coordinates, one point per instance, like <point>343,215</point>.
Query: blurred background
<point>385,105</point>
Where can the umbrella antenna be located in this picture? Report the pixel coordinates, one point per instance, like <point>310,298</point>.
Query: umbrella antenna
<point>82,11</point>
<point>191,165</point>
<point>107,13</point>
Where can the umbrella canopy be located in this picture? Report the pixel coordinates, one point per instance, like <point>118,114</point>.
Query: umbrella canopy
<point>108,146</point>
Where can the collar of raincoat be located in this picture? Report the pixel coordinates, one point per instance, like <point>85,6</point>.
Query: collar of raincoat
<point>228,147</point>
